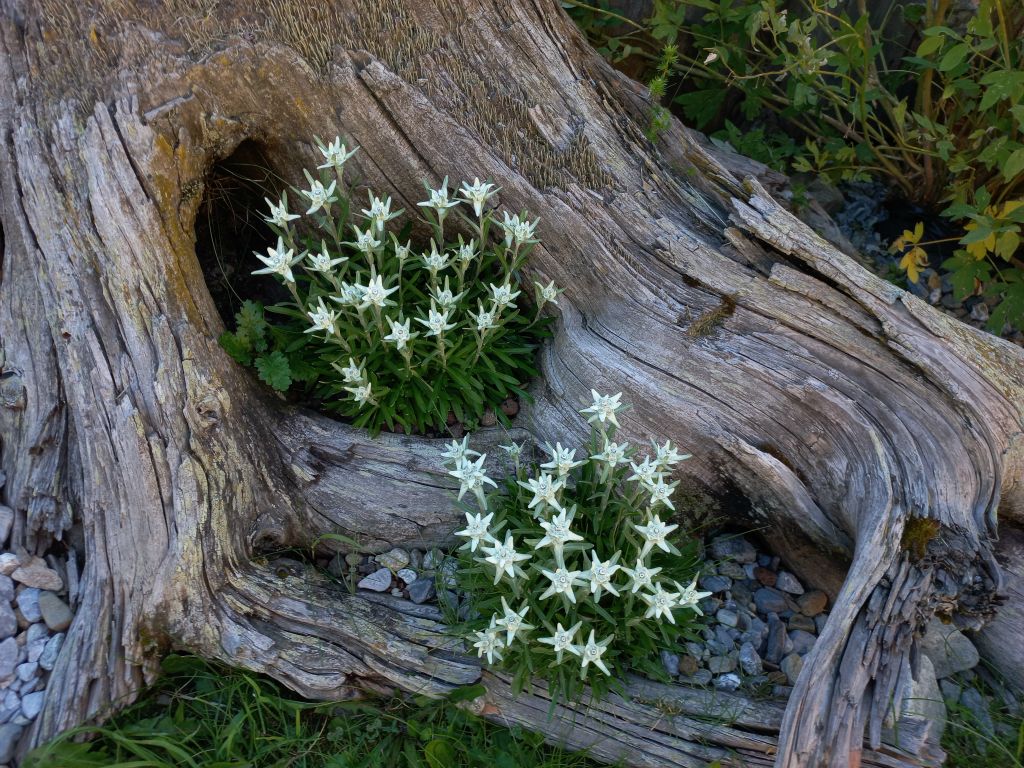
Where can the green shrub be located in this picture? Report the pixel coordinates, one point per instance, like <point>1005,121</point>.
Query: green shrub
<point>384,335</point>
<point>817,90</point>
<point>570,566</point>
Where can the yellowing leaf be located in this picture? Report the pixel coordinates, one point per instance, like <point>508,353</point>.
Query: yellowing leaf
<point>913,262</point>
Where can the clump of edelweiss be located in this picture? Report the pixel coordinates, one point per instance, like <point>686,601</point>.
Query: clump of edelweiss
<point>387,331</point>
<point>574,563</point>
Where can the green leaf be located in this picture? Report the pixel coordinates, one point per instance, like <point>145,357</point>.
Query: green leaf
<point>930,45</point>
<point>274,370</point>
<point>1014,165</point>
<point>964,271</point>
<point>954,57</point>
<point>237,347</point>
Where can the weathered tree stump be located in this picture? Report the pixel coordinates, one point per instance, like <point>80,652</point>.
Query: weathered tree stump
<point>842,409</point>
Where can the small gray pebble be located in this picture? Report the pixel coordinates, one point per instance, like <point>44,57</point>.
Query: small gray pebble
<point>728,682</point>
<point>787,582</point>
<point>378,581</point>
<point>32,704</point>
<point>28,670</point>
<point>671,663</point>
<point>422,589</point>
<point>48,658</point>
<point>28,604</point>
<point>408,575</point>
<point>727,617</point>
<point>749,659</point>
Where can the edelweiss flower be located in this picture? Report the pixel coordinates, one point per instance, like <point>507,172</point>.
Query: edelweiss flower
<point>279,215</point>
<point>436,322</point>
<point>517,230</point>
<point>434,262</point>
<point>547,293</point>
<point>471,475</point>
<point>603,408</point>
<point>318,196</point>
<point>399,335</point>
<point>477,530</point>
<point>278,261</point>
<point>401,251</point>
<point>379,212</point>
<point>613,454</point>
<point>661,491</point>
<point>600,574</point>
<point>689,597</point>
<point>514,450</point>
<point>375,294</point>
<point>592,652</point>
<point>660,603</point>
<point>354,373</point>
<point>561,460</point>
<point>557,532</point>
<point>365,242</point>
<point>654,534</point>
<point>439,199</point>
<point>562,583</point>
<point>563,640</point>
<point>646,471</point>
<point>512,621</point>
<point>489,642</point>
<point>545,491</point>
<point>351,295</point>
<point>322,262</point>
<point>335,154</point>
<point>640,575</point>
<point>362,394</point>
<point>505,559</point>
<point>444,296</point>
<point>456,451</point>
<point>323,319</point>
<point>477,194</point>
<point>467,252</point>
<point>504,295</point>
<point>667,456</point>
<point>484,319</point>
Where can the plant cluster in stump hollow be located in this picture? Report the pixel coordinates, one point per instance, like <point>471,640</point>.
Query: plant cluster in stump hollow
<point>385,335</point>
<point>574,567</point>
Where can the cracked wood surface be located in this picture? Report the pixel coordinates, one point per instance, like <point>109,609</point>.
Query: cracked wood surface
<point>837,405</point>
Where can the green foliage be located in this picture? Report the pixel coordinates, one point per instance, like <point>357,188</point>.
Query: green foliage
<point>971,742</point>
<point>201,715</point>
<point>586,521</point>
<point>809,87</point>
<point>385,336</point>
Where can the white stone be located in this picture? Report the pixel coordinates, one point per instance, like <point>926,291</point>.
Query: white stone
<point>378,581</point>
<point>948,648</point>
<point>28,604</point>
<point>32,704</point>
<point>48,658</point>
<point>28,670</point>
<point>408,575</point>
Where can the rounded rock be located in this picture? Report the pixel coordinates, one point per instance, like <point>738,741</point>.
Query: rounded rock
<point>378,581</point>
<point>55,612</point>
<point>728,682</point>
<point>812,603</point>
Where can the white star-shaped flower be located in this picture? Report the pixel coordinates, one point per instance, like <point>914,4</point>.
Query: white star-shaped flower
<point>563,582</point>
<point>279,215</point>
<point>503,295</point>
<point>562,460</point>
<point>401,251</point>
<point>438,199</point>
<point>472,478</point>
<point>661,493</point>
<point>667,456</point>
<point>592,652</point>
<point>444,297</point>
<point>505,559</point>
<point>563,640</point>
<point>455,451</point>
<point>477,530</point>
<point>613,454</point>
<point>512,621</point>
<point>322,262</point>
<point>436,322</point>
<point>336,154</point>
<point>640,575</point>
<point>400,334</point>
<point>279,262</point>
<point>477,194</point>
<point>379,213</point>
<point>654,534</point>
<point>434,261</point>
<point>362,394</point>
<point>365,242</point>
<point>660,603</point>
<point>351,295</point>
<point>466,252</point>
<point>514,450</point>
<point>323,319</point>
<point>353,373</point>
<point>547,294</point>
<point>489,643</point>
<point>518,230</point>
<point>603,409</point>
<point>689,597</point>
<point>558,533</point>
<point>600,574</point>
<point>645,472</point>
<point>484,319</point>
<point>376,295</point>
<point>545,491</point>
<point>319,197</point>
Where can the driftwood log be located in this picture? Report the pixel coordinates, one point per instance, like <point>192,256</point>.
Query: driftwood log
<point>831,409</point>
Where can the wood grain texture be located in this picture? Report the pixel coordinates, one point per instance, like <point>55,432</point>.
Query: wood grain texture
<point>838,407</point>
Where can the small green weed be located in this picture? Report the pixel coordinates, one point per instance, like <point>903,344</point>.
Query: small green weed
<point>973,741</point>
